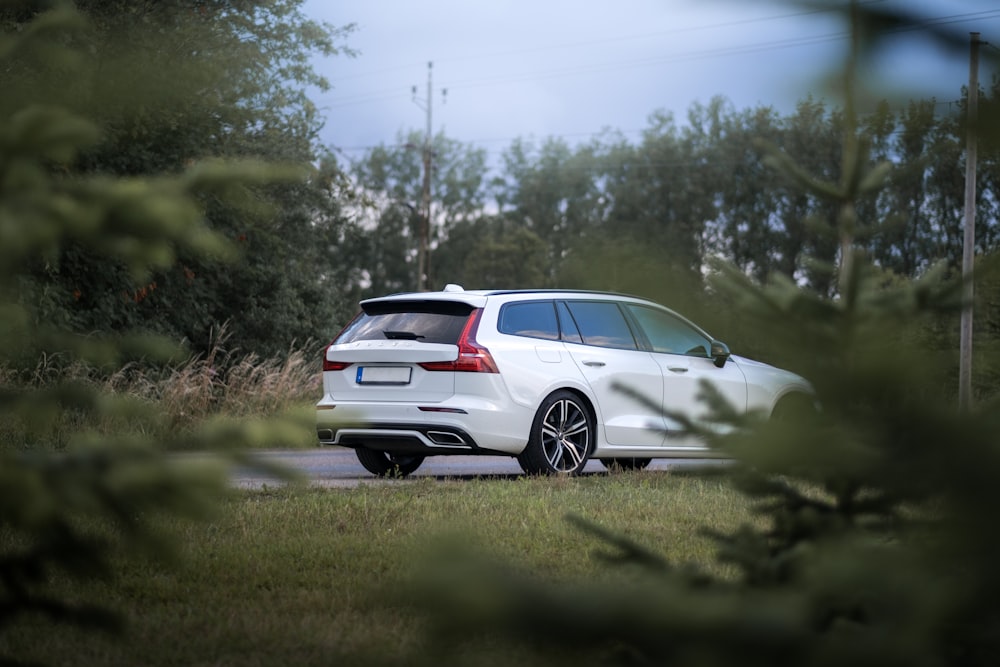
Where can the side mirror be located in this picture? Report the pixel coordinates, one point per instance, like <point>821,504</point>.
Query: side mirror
<point>720,353</point>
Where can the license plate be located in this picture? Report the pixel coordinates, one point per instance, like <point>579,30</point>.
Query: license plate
<point>383,375</point>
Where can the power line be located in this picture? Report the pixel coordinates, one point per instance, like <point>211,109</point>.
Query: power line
<point>661,60</point>
<point>745,49</point>
<point>621,38</point>
<point>394,93</point>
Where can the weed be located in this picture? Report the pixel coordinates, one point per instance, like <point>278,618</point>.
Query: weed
<point>165,401</point>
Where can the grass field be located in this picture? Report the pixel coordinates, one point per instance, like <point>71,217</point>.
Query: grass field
<point>306,576</point>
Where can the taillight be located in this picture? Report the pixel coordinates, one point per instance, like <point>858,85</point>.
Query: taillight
<point>337,365</point>
<point>334,365</point>
<point>472,357</point>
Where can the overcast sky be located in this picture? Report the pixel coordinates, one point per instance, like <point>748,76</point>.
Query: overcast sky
<point>570,68</point>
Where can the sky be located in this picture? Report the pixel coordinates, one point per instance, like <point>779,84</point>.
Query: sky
<point>534,69</point>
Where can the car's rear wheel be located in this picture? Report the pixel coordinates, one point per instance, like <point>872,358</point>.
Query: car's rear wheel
<point>628,463</point>
<point>561,437</point>
<point>385,464</point>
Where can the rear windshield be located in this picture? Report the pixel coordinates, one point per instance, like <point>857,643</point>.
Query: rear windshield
<point>423,321</point>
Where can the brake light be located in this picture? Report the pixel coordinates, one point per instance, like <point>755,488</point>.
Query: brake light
<point>333,365</point>
<point>337,365</point>
<point>472,357</point>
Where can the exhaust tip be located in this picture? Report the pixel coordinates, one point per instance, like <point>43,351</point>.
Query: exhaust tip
<point>446,439</point>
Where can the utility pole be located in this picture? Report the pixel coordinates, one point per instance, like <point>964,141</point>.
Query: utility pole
<point>969,237</point>
<point>423,234</point>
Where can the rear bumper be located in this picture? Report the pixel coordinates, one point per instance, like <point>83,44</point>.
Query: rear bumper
<point>454,427</point>
<point>426,439</point>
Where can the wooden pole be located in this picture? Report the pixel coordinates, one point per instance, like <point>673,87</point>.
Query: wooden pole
<point>969,237</point>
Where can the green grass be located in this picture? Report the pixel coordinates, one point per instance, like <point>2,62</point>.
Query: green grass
<point>307,576</point>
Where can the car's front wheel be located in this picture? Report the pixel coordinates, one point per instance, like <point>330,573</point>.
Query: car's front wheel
<point>561,437</point>
<point>385,464</point>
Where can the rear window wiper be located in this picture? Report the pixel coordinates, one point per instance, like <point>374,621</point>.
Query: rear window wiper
<point>402,335</point>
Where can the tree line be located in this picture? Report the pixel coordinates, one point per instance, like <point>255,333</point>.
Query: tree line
<point>554,214</point>
<point>643,215</point>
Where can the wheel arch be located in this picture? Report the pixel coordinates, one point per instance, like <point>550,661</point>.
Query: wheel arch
<point>793,399</point>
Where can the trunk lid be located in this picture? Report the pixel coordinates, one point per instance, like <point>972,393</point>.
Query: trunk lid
<point>377,356</point>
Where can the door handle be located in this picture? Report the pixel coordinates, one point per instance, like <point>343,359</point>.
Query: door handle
<point>677,369</point>
<point>595,364</point>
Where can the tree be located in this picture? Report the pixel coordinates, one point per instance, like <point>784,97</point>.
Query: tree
<point>988,139</point>
<point>743,228</point>
<point>391,178</point>
<point>874,544</point>
<point>73,512</point>
<point>765,223</point>
<point>171,83</point>
<point>504,258</point>
<point>551,191</point>
<point>904,244</point>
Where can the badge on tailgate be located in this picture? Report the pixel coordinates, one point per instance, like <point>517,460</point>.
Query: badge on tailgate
<point>383,375</point>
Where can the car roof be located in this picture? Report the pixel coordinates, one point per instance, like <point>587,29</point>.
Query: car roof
<point>478,298</point>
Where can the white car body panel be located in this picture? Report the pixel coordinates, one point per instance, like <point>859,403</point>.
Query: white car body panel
<point>391,351</point>
<point>626,421</point>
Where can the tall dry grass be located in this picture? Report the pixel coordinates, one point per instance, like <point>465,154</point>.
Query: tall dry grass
<point>170,400</point>
<point>231,383</point>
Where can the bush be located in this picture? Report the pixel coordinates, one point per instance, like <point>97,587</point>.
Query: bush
<point>71,513</point>
<point>875,544</point>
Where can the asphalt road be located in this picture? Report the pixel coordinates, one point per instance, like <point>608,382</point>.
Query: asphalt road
<point>339,467</point>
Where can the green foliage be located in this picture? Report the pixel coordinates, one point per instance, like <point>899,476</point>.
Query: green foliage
<point>687,195</point>
<point>392,178</point>
<point>552,192</point>
<point>139,72</point>
<point>874,542</point>
<point>71,513</point>
<point>492,254</point>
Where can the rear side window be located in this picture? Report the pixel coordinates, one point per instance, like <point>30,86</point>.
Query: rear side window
<point>603,324</point>
<point>423,321</point>
<point>535,319</point>
<point>570,333</point>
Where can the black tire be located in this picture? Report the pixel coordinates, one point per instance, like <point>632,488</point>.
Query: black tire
<point>561,438</point>
<point>385,464</point>
<point>629,463</point>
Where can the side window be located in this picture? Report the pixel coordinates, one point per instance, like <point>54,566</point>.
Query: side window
<point>601,323</point>
<point>669,334</point>
<point>535,319</point>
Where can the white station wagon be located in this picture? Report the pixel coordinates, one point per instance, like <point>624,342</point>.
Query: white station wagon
<point>533,374</point>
